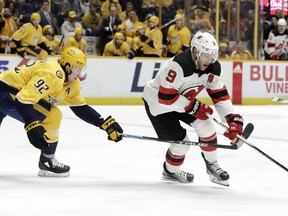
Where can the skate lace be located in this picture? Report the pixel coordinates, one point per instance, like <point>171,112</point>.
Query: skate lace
<point>56,163</point>
<point>214,167</point>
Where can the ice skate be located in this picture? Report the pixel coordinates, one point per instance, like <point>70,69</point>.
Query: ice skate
<point>52,168</point>
<point>181,176</point>
<point>216,174</point>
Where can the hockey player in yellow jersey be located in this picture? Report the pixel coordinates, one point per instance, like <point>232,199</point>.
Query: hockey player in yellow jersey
<point>76,40</point>
<point>52,42</point>
<point>29,93</point>
<point>118,47</point>
<point>29,39</point>
<point>152,39</point>
<point>178,37</point>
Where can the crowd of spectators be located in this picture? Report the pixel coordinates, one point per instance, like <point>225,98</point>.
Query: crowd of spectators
<point>138,23</point>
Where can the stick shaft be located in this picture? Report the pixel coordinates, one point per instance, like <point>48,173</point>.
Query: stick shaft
<point>253,146</point>
<point>190,143</point>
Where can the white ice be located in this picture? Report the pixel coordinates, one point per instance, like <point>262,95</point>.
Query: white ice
<point>124,179</point>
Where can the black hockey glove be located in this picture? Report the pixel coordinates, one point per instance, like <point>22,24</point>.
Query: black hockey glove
<point>36,134</point>
<point>143,38</point>
<point>130,55</point>
<point>235,122</point>
<point>112,127</point>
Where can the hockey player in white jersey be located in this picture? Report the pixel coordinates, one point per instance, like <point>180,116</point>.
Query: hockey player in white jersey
<point>276,45</point>
<point>170,98</point>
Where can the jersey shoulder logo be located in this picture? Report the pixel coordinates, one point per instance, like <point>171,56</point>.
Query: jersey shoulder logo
<point>59,74</point>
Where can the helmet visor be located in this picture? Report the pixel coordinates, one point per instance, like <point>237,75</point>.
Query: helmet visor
<point>80,71</point>
<point>211,58</point>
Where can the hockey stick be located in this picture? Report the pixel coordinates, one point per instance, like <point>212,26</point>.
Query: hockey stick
<point>190,143</point>
<point>244,140</point>
<point>172,21</point>
<point>280,100</point>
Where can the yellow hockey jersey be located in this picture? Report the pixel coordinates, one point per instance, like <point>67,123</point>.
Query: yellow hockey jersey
<point>178,38</point>
<point>71,41</point>
<point>53,45</point>
<point>28,35</point>
<point>43,80</point>
<point>156,36</point>
<point>111,50</point>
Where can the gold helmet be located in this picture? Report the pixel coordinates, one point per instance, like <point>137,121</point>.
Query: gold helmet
<point>35,16</point>
<point>154,19</point>
<point>120,27</point>
<point>78,31</point>
<point>45,29</point>
<point>119,36</point>
<point>75,58</point>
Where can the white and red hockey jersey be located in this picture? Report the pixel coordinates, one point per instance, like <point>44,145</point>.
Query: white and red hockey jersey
<point>276,43</point>
<point>178,82</point>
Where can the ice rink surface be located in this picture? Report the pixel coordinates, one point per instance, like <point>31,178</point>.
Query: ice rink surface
<point>124,179</point>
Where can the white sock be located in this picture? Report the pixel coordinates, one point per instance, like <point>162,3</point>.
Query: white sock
<point>210,156</point>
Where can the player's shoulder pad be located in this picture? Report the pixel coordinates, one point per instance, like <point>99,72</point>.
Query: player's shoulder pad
<point>27,25</point>
<point>56,69</point>
<point>214,68</point>
<point>186,63</point>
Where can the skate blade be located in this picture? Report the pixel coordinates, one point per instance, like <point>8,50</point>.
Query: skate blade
<point>168,179</point>
<point>218,181</point>
<point>45,173</point>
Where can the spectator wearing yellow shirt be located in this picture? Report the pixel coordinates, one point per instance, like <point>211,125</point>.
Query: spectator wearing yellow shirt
<point>91,21</point>
<point>106,5</point>
<point>223,51</point>
<point>240,52</point>
<point>178,36</point>
<point>132,23</point>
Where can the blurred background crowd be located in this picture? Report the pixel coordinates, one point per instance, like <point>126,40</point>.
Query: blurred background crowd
<point>244,29</point>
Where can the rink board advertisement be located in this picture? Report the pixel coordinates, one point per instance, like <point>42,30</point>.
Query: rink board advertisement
<point>117,80</point>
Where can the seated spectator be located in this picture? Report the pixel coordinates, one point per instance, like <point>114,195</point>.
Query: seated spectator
<point>200,17</point>
<point>105,7</point>
<point>178,38</point>
<point>240,52</point>
<point>76,40</point>
<point>276,44</point>
<point>118,47</point>
<point>124,15</point>
<point>52,42</point>
<point>10,26</point>
<point>132,23</point>
<point>67,28</point>
<point>91,21</point>
<point>223,51</point>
